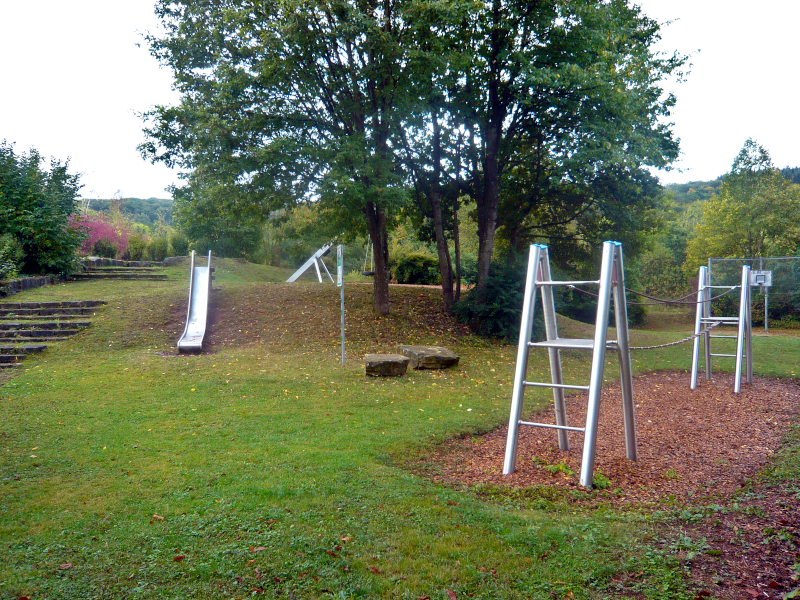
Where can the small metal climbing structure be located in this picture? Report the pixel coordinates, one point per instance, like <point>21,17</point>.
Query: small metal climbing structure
<point>316,260</point>
<point>704,321</point>
<point>611,284</point>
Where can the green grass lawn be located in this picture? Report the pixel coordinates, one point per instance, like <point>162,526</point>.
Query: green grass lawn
<point>267,469</point>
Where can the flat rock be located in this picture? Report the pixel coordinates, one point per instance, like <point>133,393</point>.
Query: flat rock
<point>386,365</point>
<point>429,357</point>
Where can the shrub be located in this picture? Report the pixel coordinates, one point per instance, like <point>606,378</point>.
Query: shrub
<point>105,248</point>
<point>11,255</point>
<point>136,249</point>
<point>35,206</point>
<point>416,267</point>
<point>98,227</point>
<point>157,248</point>
<point>495,310</point>
<point>180,244</point>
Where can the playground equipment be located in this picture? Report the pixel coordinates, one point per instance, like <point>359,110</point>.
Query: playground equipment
<point>369,261</point>
<point>743,323</point>
<point>611,284</point>
<point>316,260</point>
<point>197,313</point>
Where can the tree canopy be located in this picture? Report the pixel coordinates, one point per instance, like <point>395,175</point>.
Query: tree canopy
<point>543,113</point>
<point>753,215</point>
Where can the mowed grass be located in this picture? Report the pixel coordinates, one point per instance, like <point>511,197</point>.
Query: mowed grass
<point>266,469</point>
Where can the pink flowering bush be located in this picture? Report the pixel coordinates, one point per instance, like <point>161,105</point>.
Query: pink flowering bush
<point>98,227</point>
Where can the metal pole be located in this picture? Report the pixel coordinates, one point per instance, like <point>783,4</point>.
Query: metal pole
<point>551,328</point>
<point>598,364</point>
<point>698,325</point>
<point>340,283</point>
<point>707,314</point>
<point>624,356</point>
<point>741,333</point>
<point>766,308</point>
<point>528,304</point>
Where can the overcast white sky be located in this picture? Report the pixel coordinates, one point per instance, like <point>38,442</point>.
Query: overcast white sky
<point>75,72</point>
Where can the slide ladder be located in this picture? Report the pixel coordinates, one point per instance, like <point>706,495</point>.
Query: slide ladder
<point>197,313</point>
<point>611,284</point>
<point>743,323</point>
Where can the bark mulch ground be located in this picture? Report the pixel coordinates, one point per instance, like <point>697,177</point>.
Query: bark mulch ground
<point>699,451</point>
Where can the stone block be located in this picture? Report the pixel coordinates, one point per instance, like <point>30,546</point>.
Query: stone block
<point>429,357</point>
<point>385,365</point>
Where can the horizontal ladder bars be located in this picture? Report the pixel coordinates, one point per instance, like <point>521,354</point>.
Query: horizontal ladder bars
<point>548,426</point>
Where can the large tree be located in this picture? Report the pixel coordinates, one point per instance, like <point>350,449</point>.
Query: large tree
<point>291,101</point>
<point>754,214</point>
<point>564,106</point>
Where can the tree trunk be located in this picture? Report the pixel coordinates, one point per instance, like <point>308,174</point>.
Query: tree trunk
<point>376,224</point>
<point>435,196</point>
<point>457,251</point>
<point>445,266</point>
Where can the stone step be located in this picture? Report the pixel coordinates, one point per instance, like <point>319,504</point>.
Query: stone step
<point>23,349</point>
<point>34,314</point>
<point>48,325</point>
<point>11,358</point>
<point>123,270</point>
<point>95,275</point>
<point>10,365</point>
<point>63,304</point>
<point>37,335</point>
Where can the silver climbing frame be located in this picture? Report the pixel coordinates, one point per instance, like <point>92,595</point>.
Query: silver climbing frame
<point>611,284</point>
<point>316,260</point>
<point>743,322</point>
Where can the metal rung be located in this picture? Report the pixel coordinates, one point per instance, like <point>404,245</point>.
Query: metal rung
<point>729,337</point>
<point>540,283</point>
<point>720,319</point>
<point>725,355</point>
<point>572,343</point>
<point>556,385</point>
<point>721,287</point>
<point>548,426</point>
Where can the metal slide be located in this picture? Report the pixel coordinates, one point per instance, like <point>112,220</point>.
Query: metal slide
<point>197,313</point>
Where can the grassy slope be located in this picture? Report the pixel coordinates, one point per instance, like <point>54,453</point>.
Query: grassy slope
<point>276,469</point>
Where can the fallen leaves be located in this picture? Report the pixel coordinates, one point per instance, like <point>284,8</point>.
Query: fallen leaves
<point>158,517</point>
<point>179,558</point>
<point>65,566</point>
<point>257,548</point>
<point>451,594</point>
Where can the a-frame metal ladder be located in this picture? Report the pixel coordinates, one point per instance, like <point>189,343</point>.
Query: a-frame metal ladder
<point>744,324</point>
<point>611,284</point>
<point>316,260</point>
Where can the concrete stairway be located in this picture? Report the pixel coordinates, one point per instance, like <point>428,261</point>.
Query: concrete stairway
<point>23,324</point>
<point>109,268</point>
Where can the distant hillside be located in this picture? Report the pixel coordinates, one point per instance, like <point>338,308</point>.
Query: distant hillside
<point>686,193</point>
<point>140,210</point>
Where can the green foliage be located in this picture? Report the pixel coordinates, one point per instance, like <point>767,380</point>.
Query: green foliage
<point>754,214</point>
<point>694,191</point>
<point>416,267</point>
<point>179,244</point>
<point>145,211</point>
<point>157,249</point>
<point>11,255</point>
<point>105,248</point>
<point>494,310</point>
<point>35,207</point>
<point>137,246</point>
<point>203,217</point>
